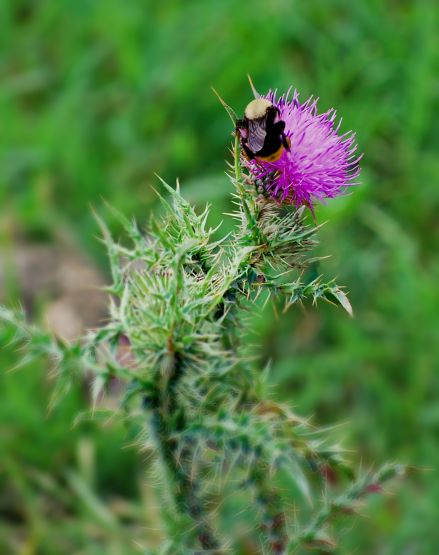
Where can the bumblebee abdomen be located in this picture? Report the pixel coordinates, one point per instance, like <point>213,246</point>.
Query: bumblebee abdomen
<point>273,157</point>
<point>273,148</point>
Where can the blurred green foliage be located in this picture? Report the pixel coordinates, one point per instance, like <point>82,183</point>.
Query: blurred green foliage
<point>98,95</point>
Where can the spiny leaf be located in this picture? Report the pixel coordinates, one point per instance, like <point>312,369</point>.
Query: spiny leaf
<point>340,297</point>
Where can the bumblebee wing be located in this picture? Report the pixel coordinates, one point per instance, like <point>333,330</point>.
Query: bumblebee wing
<point>256,134</point>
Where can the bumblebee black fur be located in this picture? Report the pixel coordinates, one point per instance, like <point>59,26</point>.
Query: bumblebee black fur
<point>261,136</point>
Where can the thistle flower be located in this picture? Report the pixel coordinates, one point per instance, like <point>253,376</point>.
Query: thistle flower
<point>320,163</point>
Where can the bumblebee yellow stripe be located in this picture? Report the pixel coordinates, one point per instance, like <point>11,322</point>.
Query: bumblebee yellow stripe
<point>272,157</point>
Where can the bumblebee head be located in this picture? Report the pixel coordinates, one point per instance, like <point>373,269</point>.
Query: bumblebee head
<point>257,108</point>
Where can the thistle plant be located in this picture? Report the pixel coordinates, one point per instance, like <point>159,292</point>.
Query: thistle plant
<point>178,300</point>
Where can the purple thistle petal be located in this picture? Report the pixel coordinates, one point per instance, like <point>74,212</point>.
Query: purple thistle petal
<point>319,164</point>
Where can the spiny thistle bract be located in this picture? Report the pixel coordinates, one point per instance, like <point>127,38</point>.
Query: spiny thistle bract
<point>177,300</point>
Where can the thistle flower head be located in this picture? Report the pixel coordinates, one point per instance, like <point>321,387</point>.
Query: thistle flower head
<point>319,163</point>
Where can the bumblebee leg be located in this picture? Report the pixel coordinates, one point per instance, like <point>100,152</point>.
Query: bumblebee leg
<point>279,127</point>
<point>286,141</point>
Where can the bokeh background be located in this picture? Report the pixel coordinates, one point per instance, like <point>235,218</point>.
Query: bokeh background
<point>96,96</point>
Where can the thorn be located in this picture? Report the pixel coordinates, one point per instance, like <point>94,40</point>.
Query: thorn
<point>228,109</point>
<point>254,91</point>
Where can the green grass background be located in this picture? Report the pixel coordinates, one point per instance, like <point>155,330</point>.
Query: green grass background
<point>96,96</point>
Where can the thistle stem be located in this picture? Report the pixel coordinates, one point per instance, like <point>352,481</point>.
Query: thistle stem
<point>238,181</point>
<point>237,156</point>
<point>183,488</point>
<point>169,419</point>
<point>273,519</point>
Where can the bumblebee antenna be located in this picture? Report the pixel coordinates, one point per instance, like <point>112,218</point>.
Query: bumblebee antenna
<point>254,91</point>
<point>228,109</point>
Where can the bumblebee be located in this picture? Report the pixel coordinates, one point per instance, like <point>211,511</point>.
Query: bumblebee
<point>261,132</point>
